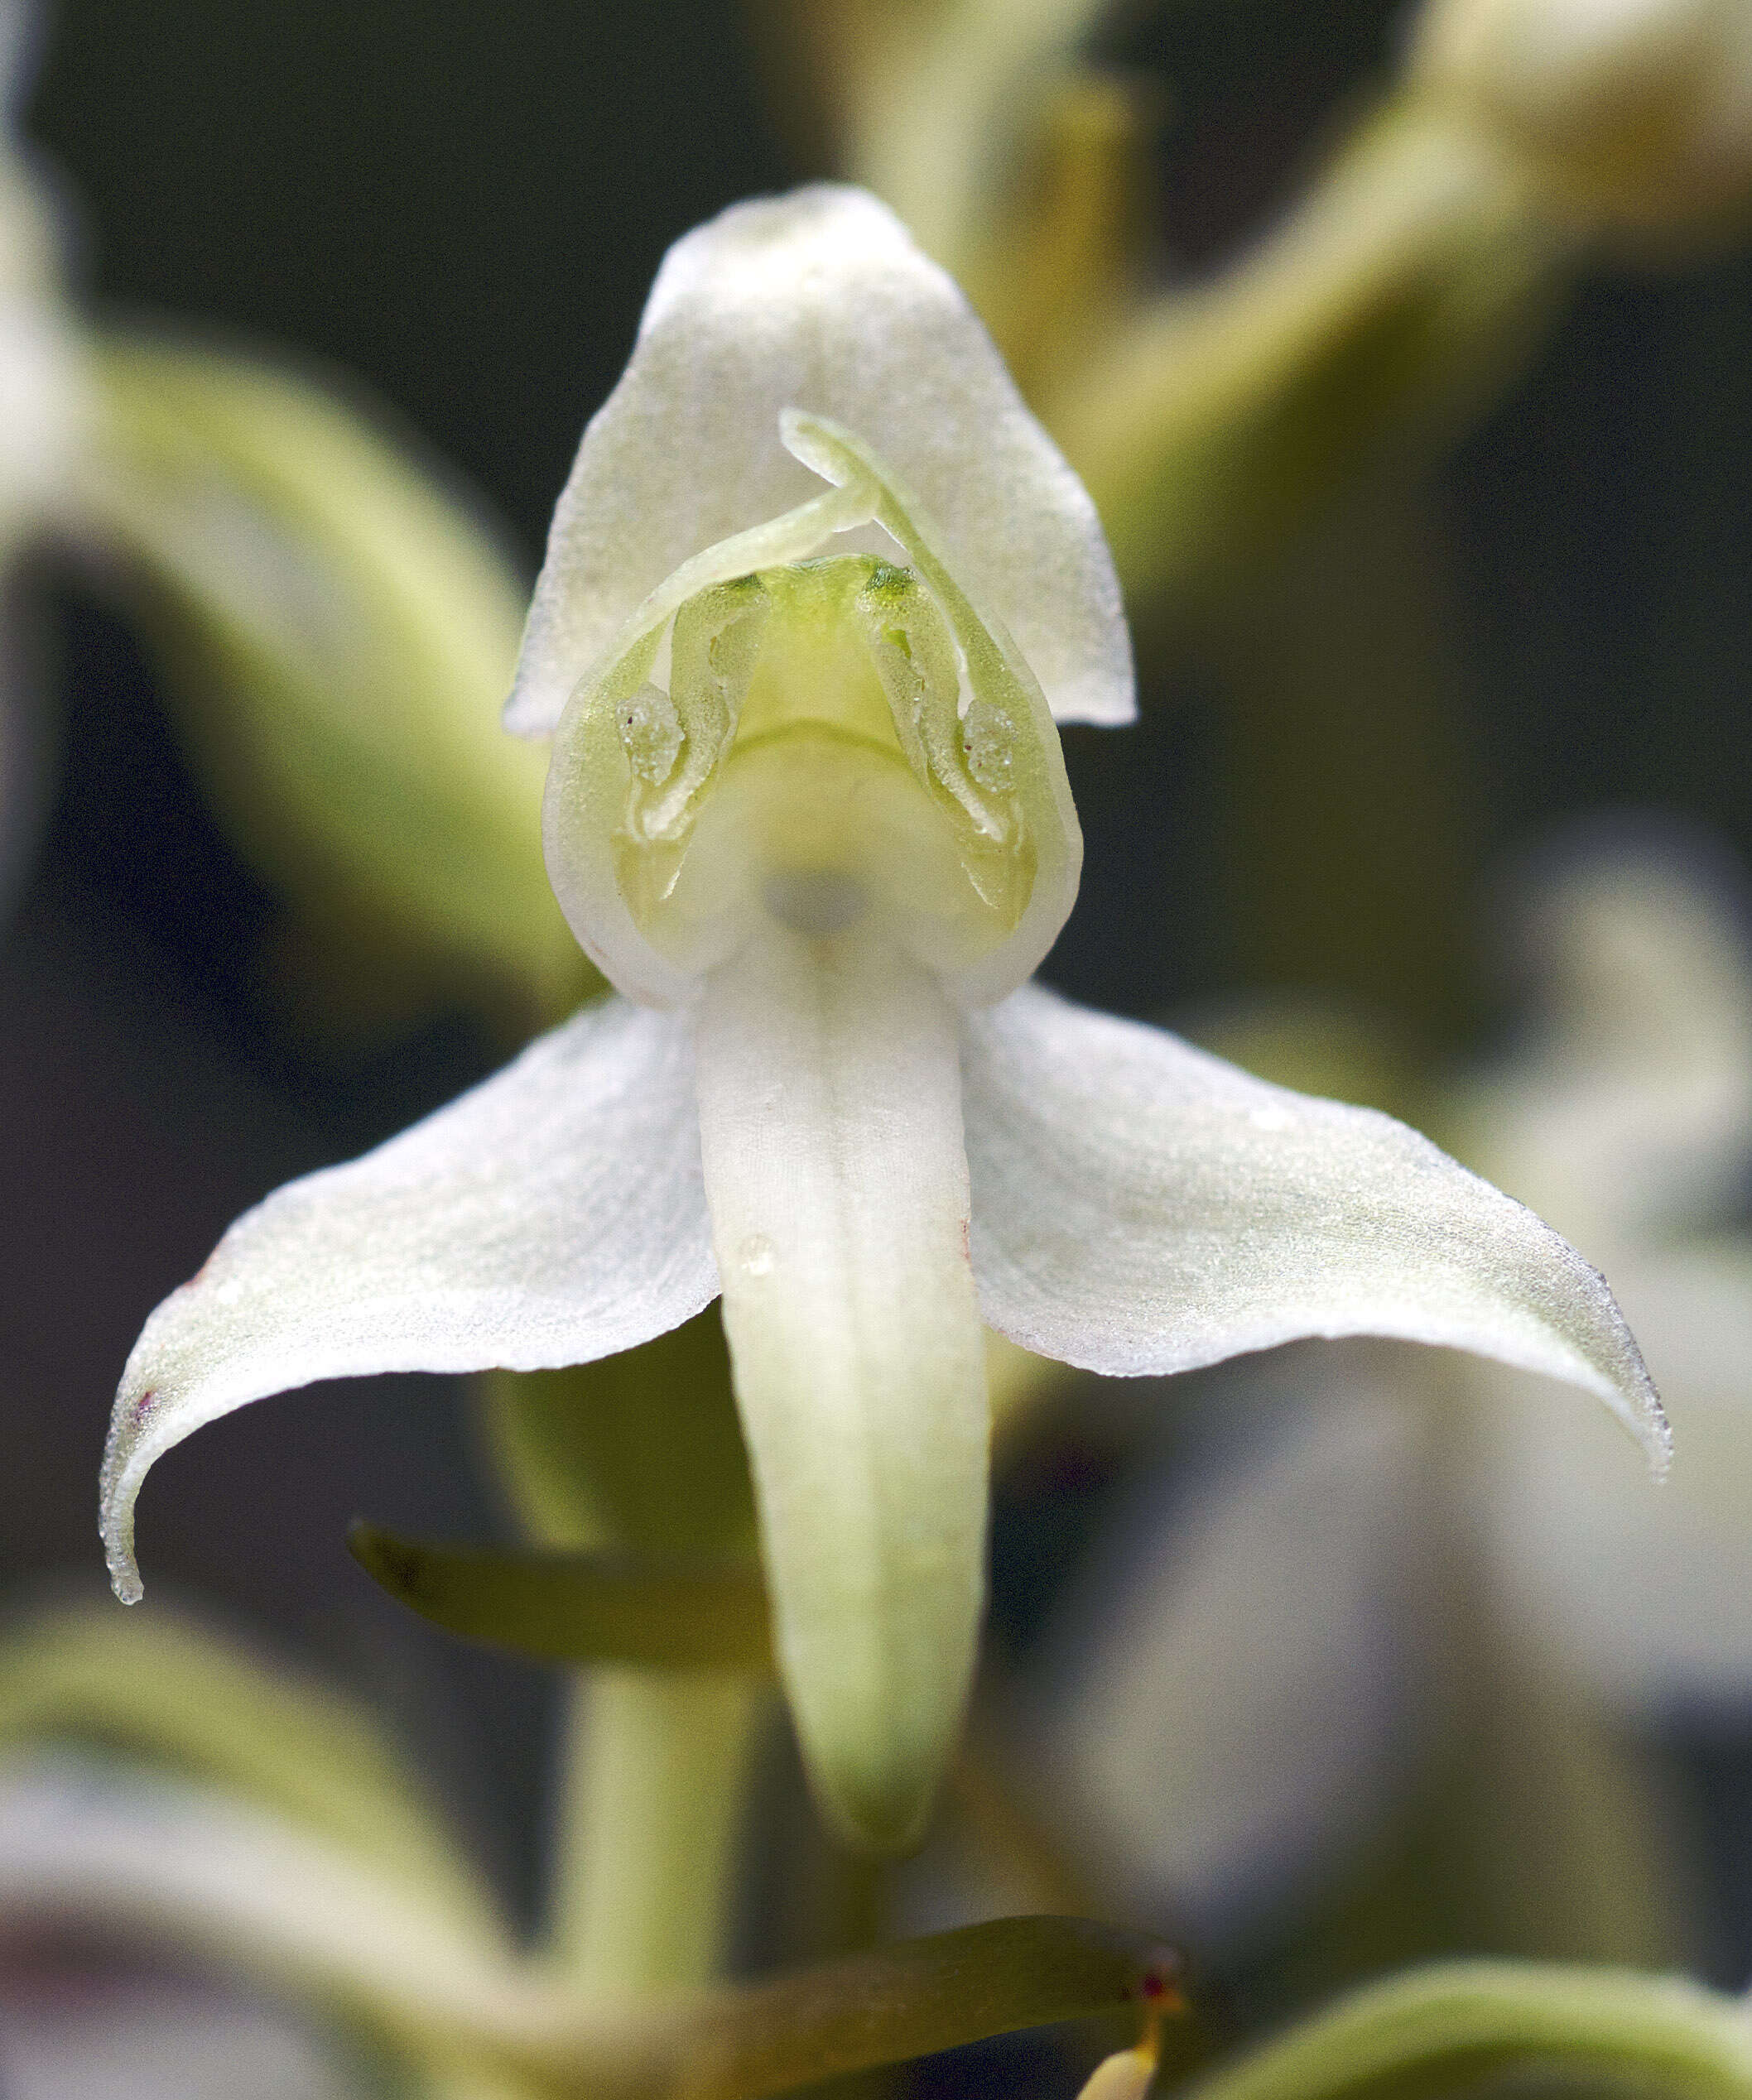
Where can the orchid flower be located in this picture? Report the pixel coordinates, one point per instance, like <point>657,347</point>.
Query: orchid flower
<point>817,592</point>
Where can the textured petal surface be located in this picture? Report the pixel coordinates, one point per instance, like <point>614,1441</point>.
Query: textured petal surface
<point>830,1126</point>
<point>552,1215</point>
<point>1139,1206</point>
<point>819,300</point>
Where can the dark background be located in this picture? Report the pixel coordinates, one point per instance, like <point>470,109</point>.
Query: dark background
<point>462,207</point>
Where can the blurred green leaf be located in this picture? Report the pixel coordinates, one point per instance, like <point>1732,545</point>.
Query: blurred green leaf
<point>337,633</point>
<point>1454,2026</point>
<point>168,1865</point>
<point>578,1608</point>
<point>175,1695</point>
<point>907,1999</point>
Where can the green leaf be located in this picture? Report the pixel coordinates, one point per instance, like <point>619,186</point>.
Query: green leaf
<point>177,1696</point>
<point>1439,2029</point>
<point>337,634</point>
<point>907,1999</point>
<point>671,1613</point>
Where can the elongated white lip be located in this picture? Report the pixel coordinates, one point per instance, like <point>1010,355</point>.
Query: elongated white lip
<point>831,1128</point>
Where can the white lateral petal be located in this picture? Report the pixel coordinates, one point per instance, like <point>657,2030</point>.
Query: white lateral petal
<point>819,300</point>
<point>831,1128</point>
<point>158,2038</point>
<point>1139,1206</point>
<point>154,2039</point>
<point>552,1215</point>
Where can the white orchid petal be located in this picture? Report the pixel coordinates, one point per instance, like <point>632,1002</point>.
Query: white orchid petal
<point>553,1215</point>
<point>819,300</point>
<point>1139,1206</point>
<point>830,1130</point>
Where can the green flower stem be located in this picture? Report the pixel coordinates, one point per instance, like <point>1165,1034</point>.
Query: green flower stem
<point>650,1820</point>
<point>640,1453</point>
<point>1398,297</point>
<point>1441,2027</point>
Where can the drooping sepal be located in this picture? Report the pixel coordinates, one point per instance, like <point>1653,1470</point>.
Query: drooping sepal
<point>501,1231</point>
<point>1139,1206</point>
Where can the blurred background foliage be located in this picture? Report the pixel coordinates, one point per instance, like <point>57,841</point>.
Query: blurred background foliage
<point>458,211</point>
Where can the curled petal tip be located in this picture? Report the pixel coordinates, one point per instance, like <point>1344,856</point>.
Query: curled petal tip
<point>510,1228</point>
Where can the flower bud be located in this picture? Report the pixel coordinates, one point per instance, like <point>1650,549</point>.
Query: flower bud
<point>1635,116</point>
